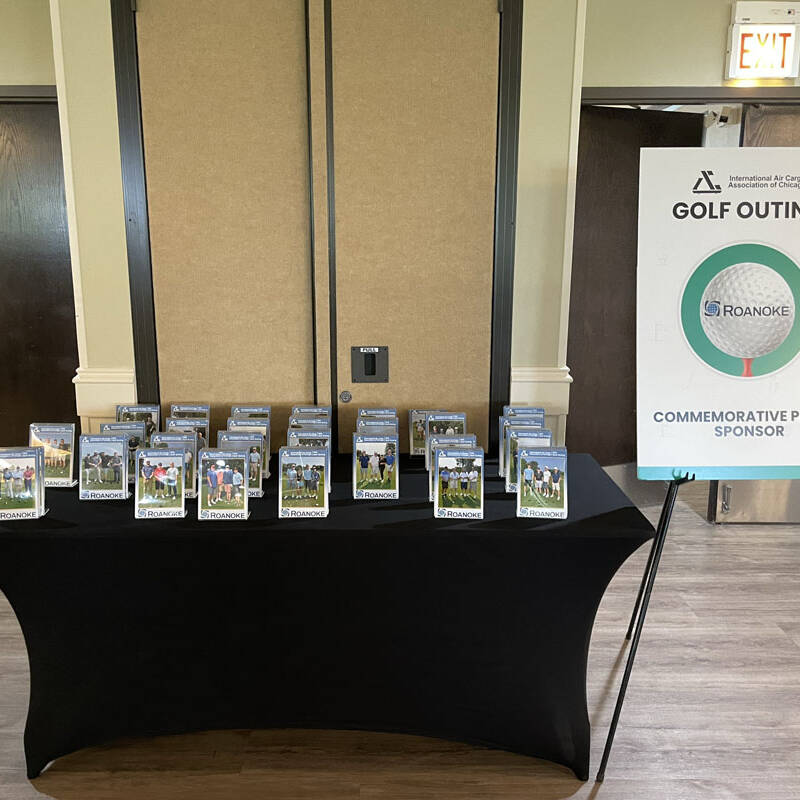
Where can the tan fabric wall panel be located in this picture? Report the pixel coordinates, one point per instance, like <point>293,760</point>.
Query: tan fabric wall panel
<point>415,123</point>
<point>224,115</point>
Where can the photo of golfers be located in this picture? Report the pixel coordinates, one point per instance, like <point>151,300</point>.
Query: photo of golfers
<point>102,466</point>
<point>222,483</point>
<point>376,465</point>
<point>447,427</point>
<point>542,482</point>
<point>199,428</point>
<point>418,435</point>
<point>160,482</point>
<point>459,482</point>
<point>516,441</point>
<point>254,460</point>
<point>148,417</point>
<point>303,482</point>
<point>17,483</point>
<point>57,453</point>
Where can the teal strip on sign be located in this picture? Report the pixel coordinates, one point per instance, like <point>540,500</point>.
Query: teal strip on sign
<point>719,473</point>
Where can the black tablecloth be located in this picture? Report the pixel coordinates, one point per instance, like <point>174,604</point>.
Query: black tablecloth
<point>378,617</point>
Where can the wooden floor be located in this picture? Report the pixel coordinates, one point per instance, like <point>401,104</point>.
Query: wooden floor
<point>713,709</point>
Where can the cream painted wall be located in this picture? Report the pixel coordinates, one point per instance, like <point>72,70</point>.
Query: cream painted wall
<point>552,58</point>
<point>84,68</point>
<point>26,50</point>
<point>675,43</point>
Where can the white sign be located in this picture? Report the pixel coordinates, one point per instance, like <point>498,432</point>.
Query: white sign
<point>718,313</point>
<point>763,51</point>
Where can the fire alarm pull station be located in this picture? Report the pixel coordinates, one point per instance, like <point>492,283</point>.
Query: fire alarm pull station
<point>369,364</point>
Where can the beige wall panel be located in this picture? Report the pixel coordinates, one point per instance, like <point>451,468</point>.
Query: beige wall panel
<point>224,115</point>
<point>26,43</point>
<point>415,118</point>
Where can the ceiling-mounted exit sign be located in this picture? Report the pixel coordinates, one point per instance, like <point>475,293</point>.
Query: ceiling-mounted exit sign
<point>764,40</point>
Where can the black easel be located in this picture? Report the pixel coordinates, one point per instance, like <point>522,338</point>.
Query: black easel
<point>642,600</point>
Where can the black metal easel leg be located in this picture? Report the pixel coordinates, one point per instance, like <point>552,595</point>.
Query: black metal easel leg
<point>647,584</point>
<point>646,572</point>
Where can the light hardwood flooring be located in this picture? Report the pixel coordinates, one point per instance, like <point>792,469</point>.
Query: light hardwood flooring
<point>713,709</point>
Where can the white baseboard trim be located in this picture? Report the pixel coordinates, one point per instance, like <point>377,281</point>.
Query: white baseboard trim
<point>547,387</point>
<point>99,391</point>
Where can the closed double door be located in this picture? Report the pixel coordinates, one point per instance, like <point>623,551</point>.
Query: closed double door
<point>321,176</point>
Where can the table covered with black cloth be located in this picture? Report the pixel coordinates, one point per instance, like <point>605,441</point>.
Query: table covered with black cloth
<point>379,617</point>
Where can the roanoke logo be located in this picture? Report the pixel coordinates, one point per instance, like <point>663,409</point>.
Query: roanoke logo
<point>738,310</point>
<point>704,184</point>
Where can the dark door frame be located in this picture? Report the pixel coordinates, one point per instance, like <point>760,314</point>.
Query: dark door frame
<point>134,189</point>
<point>31,93</point>
<point>688,95</point>
<point>134,184</point>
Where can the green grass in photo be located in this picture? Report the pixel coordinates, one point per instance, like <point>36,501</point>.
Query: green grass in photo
<point>221,502</point>
<point>302,498</point>
<point>456,498</point>
<point>530,498</point>
<point>106,484</point>
<point>20,500</point>
<point>58,472</point>
<point>371,481</point>
<point>149,497</point>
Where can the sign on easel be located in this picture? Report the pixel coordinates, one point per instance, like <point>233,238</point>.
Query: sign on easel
<point>718,322</point>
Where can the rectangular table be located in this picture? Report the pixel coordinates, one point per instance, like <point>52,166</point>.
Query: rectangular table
<point>379,617</point>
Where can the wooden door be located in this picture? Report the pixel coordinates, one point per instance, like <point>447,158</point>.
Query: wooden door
<point>414,94</point>
<point>601,350</point>
<point>225,128</point>
<point>37,309</point>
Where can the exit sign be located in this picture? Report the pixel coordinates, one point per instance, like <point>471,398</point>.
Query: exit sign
<point>763,40</point>
<point>764,51</point>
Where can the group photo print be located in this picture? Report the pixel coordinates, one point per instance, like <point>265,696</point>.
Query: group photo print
<point>102,467</point>
<point>303,482</point>
<point>17,483</point>
<point>222,483</point>
<point>376,464</point>
<point>459,482</point>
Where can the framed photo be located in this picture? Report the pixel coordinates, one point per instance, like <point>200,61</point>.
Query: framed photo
<point>159,486</point>
<point>533,412</point>
<point>199,427</point>
<point>137,437</point>
<point>58,441</point>
<point>542,491</point>
<point>313,437</point>
<point>103,467</point>
<point>188,443</point>
<point>222,493</point>
<point>444,423</point>
<point>459,483</point>
<point>253,443</point>
<point>252,410</point>
<point>376,474</point>
<point>517,437</point>
<point>465,442</point>
<point>255,425</point>
<point>149,414</point>
<point>22,481</point>
<point>302,482</point>
<point>190,410</point>
<point>526,420</point>
<point>416,430</point>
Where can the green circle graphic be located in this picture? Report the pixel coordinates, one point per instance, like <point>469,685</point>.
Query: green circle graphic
<point>693,294</point>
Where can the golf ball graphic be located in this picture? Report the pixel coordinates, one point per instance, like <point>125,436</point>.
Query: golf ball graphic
<point>747,310</point>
